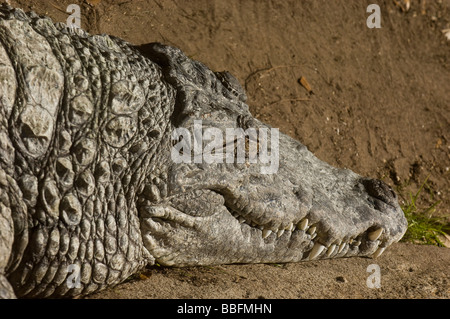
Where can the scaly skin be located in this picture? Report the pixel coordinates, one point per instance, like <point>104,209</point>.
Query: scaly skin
<point>87,179</point>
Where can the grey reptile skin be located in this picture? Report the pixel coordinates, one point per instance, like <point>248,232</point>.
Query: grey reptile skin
<point>87,179</point>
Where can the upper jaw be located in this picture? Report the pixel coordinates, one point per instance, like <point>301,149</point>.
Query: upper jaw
<point>356,228</point>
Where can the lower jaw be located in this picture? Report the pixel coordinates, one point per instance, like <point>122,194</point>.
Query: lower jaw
<point>234,242</point>
<point>301,245</point>
<point>291,246</point>
<point>306,243</point>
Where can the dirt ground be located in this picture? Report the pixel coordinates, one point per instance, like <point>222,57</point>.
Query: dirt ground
<point>380,107</point>
<point>403,274</point>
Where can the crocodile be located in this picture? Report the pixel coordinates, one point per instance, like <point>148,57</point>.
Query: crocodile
<point>91,191</point>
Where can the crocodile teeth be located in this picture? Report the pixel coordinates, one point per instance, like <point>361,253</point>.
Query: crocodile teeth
<point>266,233</point>
<point>280,232</point>
<point>375,234</point>
<point>316,250</point>
<point>241,220</point>
<point>290,227</point>
<point>378,252</point>
<point>341,247</point>
<point>312,230</point>
<point>331,250</point>
<point>303,224</point>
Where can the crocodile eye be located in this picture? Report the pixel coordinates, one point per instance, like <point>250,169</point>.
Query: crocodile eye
<point>232,87</point>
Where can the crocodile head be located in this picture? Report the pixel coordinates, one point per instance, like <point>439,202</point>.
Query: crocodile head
<point>234,190</point>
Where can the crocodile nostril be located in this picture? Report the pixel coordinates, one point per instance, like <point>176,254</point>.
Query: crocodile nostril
<point>380,190</point>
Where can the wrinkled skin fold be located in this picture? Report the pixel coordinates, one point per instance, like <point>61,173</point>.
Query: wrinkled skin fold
<point>90,192</point>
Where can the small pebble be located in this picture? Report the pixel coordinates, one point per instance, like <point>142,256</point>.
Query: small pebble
<point>341,279</point>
